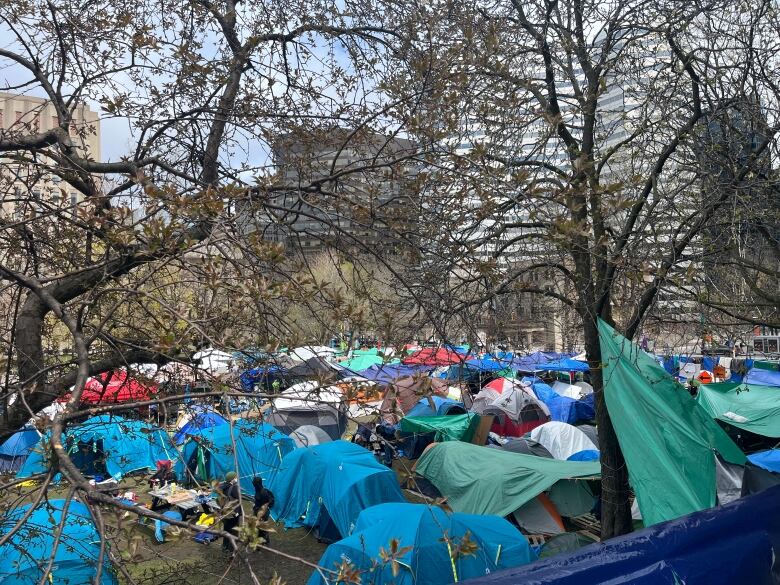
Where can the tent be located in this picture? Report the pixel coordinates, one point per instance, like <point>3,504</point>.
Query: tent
<point>308,403</point>
<point>459,427</point>
<point>750,407</point>
<point>117,444</point>
<point>307,352</point>
<point>533,362</point>
<point>562,408</point>
<point>404,393</point>
<point>198,423</point>
<point>670,445</point>
<point>387,373</point>
<point>260,450</point>
<point>328,485</point>
<point>525,447</point>
<point>308,436</point>
<point>478,480</point>
<point>562,440</point>
<point>735,543</point>
<point>262,378</point>
<point>317,368</point>
<point>516,408</point>
<point>427,537</point>
<point>436,406</point>
<point>15,449</point>
<point>432,356</point>
<point>26,555</point>
<point>490,363</point>
<point>116,386</point>
<point>760,376</point>
<point>214,361</point>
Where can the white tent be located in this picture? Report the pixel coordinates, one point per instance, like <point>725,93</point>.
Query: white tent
<point>562,440</point>
<point>309,351</point>
<point>214,361</point>
<point>515,400</point>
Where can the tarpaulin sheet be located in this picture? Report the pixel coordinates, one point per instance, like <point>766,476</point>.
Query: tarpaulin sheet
<point>478,480</point>
<point>457,427</point>
<point>769,460</point>
<point>669,443</point>
<point>565,365</point>
<point>763,377</point>
<point>736,543</point>
<point>386,373</point>
<point>750,407</point>
<point>563,408</point>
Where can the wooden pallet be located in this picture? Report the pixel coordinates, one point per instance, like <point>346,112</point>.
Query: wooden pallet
<point>589,525</point>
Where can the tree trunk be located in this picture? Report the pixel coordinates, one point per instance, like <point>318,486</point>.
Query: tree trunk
<point>615,505</point>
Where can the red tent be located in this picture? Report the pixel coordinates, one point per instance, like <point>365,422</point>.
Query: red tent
<point>432,356</point>
<point>116,386</point>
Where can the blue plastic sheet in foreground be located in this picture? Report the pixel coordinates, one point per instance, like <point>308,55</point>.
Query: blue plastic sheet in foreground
<point>736,543</point>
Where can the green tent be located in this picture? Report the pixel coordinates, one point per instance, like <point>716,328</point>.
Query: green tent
<point>481,480</point>
<point>750,407</point>
<point>669,443</point>
<point>456,427</point>
<point>362,360</point>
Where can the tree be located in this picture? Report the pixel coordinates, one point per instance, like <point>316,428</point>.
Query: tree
<point>569,148</point>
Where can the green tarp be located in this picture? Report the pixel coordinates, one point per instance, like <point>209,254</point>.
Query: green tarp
<point>364,359</point>
<point>456,427</point>
<point>669,443</point>
<point>750,407</point>
<point>480,480</point>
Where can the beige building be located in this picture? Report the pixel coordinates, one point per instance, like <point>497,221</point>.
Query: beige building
<point>23,183</point>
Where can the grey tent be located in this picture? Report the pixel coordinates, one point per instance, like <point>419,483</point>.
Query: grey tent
<point>308,403</point>
<point>309,435</point>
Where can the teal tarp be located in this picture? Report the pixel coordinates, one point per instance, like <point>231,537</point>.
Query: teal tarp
<point>480,480</point>
<point>669,442</point>
<point>337,480</point>
<point>260,450</point>
<point>25,556</point>
<point>750,407</point>
<point>456,427</point>
<point>128,445</point>
<point>424,557</point>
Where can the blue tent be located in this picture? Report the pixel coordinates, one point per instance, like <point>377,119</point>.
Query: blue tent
<point>15,449</point>
<point>25,556</point>
<point>326,486</point>
<point>769,460</point>
<point>762,377</point>
<point>386,373</point>
<point>424,556</point>
<point>126,445</point>
<point>443,406</point>
<point>532,362</point>
<point>198,424</point>
<point>734,543</point>
<point>260,450</point>
<point>563,408</point>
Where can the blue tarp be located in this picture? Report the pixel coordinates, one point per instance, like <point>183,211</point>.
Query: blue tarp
<point>565,365</point>
<point>735,543</point>
<point>490,363</point>
<point>24,558</point>
<point>532,362</point>
<point>128,445</point>
<point>762,377</point>
<point>443,406</point>
<point>15,449</point>
<point>249,379</point>
<point>769,460</point>
<point>386,373</point>
<point>197,425</point>
<point>260,450</point>
<point>331,483</point>
<point>424,557</point>
<point>563,408</point>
